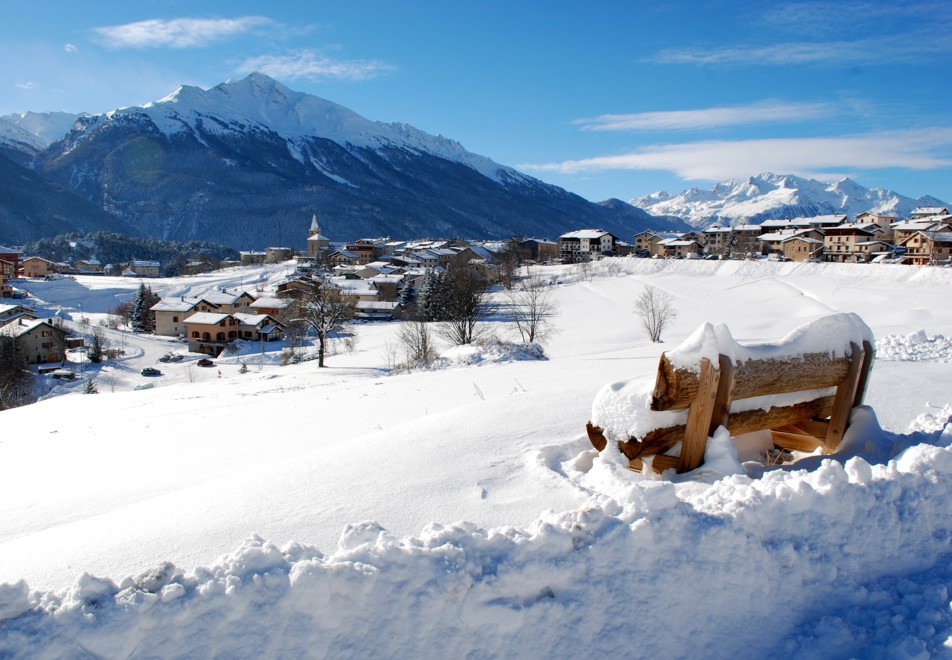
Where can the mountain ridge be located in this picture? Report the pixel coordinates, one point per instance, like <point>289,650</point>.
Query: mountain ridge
<point>246,163</point>
<point>769,195</point>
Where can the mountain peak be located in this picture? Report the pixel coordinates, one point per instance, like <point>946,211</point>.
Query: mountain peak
<point>769,195</point>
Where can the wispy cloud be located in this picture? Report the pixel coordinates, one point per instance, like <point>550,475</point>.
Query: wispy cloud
<point>70,48</point>
<point>177,32</point>
<point>826,18</point>
<point>26,85</point>
<point>919,149</point>
<point>763,112</point>
<point>312,65</point>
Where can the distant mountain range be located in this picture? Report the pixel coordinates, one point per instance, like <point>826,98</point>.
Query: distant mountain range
<point>778,196</point>
<point>248,162</point>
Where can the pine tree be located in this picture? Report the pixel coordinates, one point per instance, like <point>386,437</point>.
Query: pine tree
<point>142,317</point>
<point>89,387</point>
<point>138,305</point>
<point>431,301</point>
<point>408,296</point>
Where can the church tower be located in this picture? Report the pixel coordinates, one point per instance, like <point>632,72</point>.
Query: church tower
<point>316,242</point>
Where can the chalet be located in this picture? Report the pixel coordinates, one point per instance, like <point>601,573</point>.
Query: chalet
<point>802,247</point>
<point>884,221</point>
<point>839,243</point>
<point>170,315</point>
<point>276,255</point>
<point>39,340</point>
<point>252,258</point>
<point>9,313</point>
<point>362,251</point>
<point>88,266</point>
<point>681,248</point>
<point>270,305</point>
<point>903,230</point>
<point>342,258</point>
<point>380,310</point>
<point>209,333</point>
<point>585,245</point>
<point>144,268</point>
<point>38,267</point>
<point>224,302</point>
<point>927,248</point>
<point>9,262</point>
<point>540,250</point>
<point>919,213</point>
<point>869,250</point>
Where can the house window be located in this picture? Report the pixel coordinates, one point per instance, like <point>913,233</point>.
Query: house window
<point>174,319</point>
<point>220,336</point>
<point>195,334</point>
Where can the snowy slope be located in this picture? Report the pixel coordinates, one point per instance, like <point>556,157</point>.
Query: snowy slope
<point>778,196</point>
<point>497,530</point>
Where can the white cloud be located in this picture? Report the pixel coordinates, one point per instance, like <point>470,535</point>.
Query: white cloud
<point>311,65</point>
<point>879,50</point>
<point>26,85</point>
<point>919,149</point>
<point>177,32</point>
<point>70,48</point>
<point>756,113</point>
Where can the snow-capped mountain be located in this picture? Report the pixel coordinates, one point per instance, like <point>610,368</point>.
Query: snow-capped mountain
<point>778,196</point>
<point>247,163</point>
<point>35,130</point>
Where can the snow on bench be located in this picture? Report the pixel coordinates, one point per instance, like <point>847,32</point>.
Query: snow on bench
<point>802,388</point>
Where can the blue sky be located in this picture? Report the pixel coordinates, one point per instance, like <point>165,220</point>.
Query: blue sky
<point>604,98</point>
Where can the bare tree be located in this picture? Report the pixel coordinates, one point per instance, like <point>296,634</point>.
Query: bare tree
<point>16,380</point>
<point>416,341</point>
<point>532,309</point>
<point>322,308</point>
<point>97,344</point>
<point>466,304</point>
<point>656,310</point>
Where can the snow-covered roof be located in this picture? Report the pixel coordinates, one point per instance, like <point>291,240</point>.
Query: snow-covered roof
<point>251,319</point>
<point>206,318</point>
<point>217,297</point>
<point>22,325</point>
<point>145,264</point>
<point>591,234</point>
<point>270,302</point>
<point>174,305</point>
<point>929,210</point>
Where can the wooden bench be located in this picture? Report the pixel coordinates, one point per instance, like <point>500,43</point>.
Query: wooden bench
<point>708,392</point>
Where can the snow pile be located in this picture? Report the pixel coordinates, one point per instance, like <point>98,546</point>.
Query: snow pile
<point>793,544</point>
<point>487,353</point>
<point>914,347</point>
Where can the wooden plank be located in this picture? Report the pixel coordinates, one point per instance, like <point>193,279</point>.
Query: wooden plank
<point>843,400</point>
<point>725,394</point>
<point>796,441</point>
<point>869,356</point>
<point>675,389</point>
<point>815,427</point>
<point>699,418</point>
<point>738,423</point>
<point>659,462</point>
<point>596,435</point>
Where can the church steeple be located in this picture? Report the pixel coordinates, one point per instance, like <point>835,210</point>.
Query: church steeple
<point>315,228</point>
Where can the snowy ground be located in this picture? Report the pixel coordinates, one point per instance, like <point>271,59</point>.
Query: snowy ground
<point>460,512</point>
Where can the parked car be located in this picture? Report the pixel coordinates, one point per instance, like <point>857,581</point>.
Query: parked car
<point>205,362</point>
<point>166,358</point>
<point>176,357</point>
<point>150,371</point>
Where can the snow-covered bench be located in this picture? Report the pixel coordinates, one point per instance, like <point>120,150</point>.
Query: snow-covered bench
<point>802,388</point>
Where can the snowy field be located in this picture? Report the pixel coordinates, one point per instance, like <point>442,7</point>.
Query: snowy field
<point>461,511</point>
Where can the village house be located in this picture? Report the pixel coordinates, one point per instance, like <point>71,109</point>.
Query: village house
<point>585,245</point>
<point>38,267</point>
<point>539,250</point>
<point>276,255</point>
<point>38,340</point>
<point>270,305</point>
<point>9,262</point>
<point>209,333</point>
<point>840,243</point>
<point>918,213</point>
<point>11,312</point>
<point>88,266</point>
<point>927,248</point>
<point>682,248</point>
<point>144,268</point>
<point>170,314</point>
<point>885,221</point>
<point>252,257</point>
